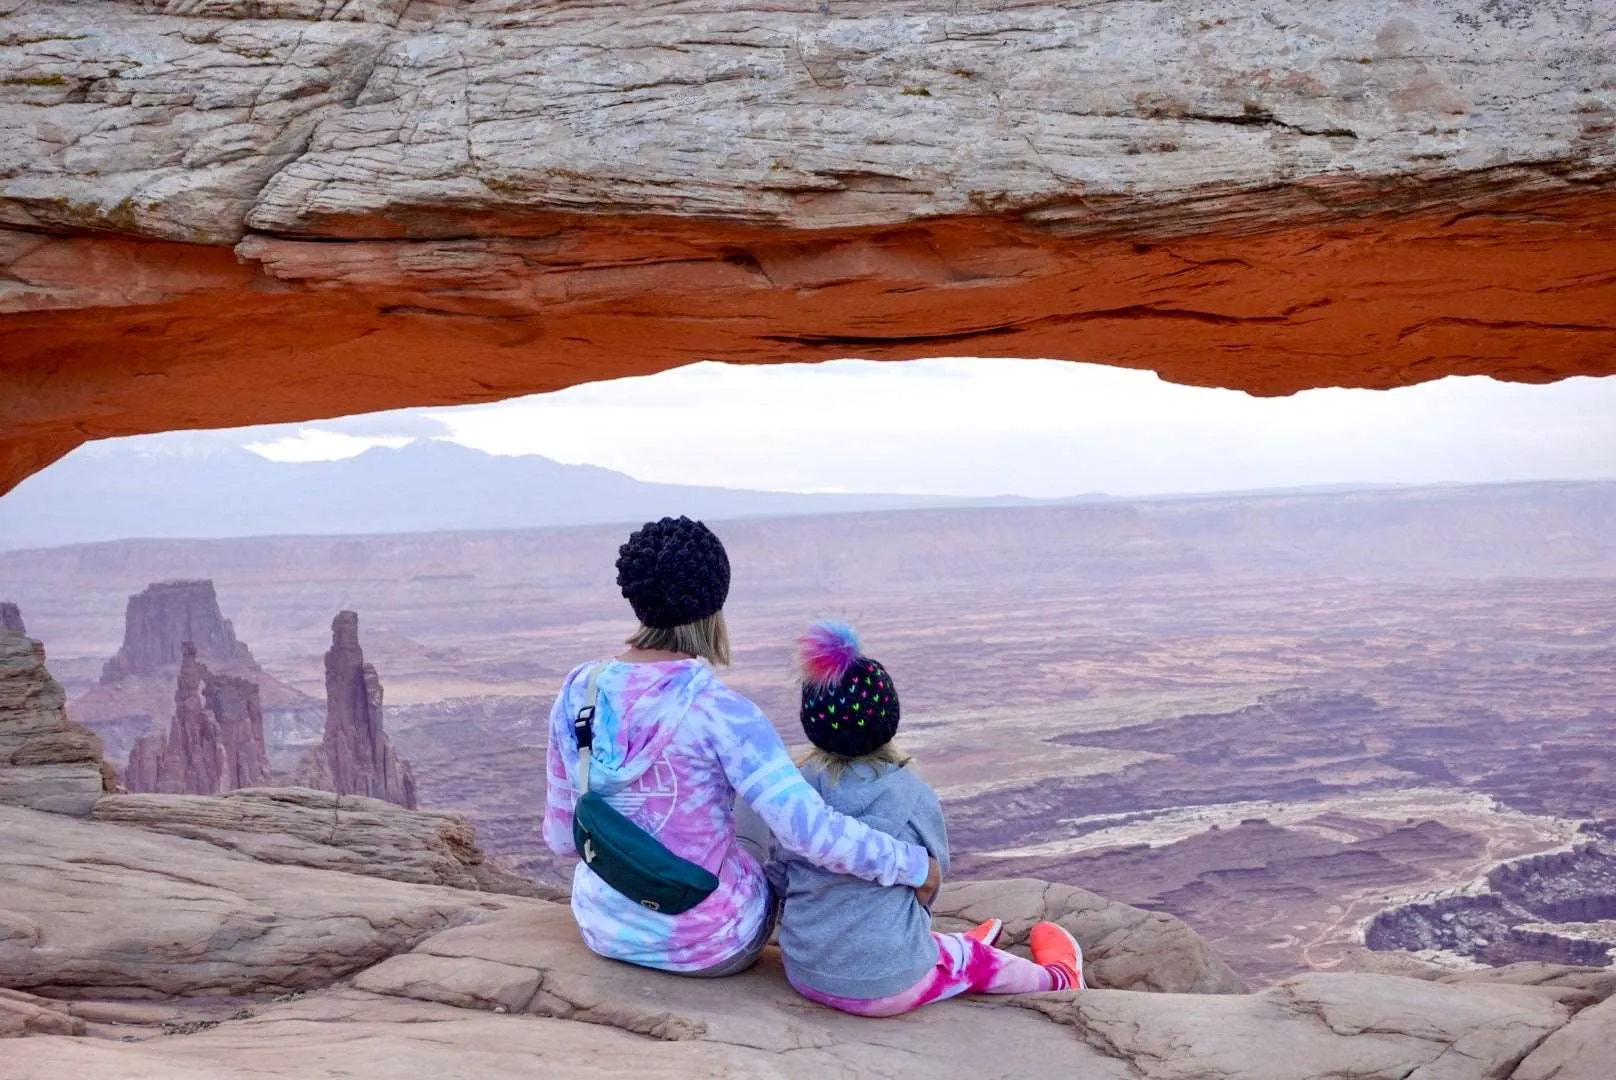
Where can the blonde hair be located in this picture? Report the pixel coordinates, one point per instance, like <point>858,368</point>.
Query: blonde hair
<point>836,764</point>
<point>707,638</point>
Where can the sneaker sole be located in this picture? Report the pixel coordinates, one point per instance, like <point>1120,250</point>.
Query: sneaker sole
<point>991,938</point>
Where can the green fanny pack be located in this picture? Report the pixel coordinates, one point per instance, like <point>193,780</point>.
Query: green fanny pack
<point>622,854</point>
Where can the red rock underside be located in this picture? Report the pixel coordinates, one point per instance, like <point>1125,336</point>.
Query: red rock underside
<point>1521,287</point>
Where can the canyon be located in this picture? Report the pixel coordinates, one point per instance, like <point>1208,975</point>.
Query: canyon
<point>1276,716</point>
<point>430,976</point>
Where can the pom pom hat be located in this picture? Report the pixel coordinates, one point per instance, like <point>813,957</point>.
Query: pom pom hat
<point>673,572</point>
<point>849,705</point>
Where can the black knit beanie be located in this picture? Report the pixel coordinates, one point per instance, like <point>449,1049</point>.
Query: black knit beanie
<point>849,705</point>
<point>673,572</point>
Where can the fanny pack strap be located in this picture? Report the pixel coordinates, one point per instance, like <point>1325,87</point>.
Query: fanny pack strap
<point>583,729</point>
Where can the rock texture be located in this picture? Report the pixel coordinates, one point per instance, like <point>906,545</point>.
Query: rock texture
<point>11,618</point>
<point>25,1014</point>
<point>215,742</point>
<point>125,925</point>
<point>46,761</point>
<point>1579,1051</point>
<point>165,617</point>
<point>1125,948</point>
<point>411,203</point>
<point>302,827</point>
<point>1515,918</point>
<point>356,757</point>
<point>1317,1025</point>
<point>100,910</point>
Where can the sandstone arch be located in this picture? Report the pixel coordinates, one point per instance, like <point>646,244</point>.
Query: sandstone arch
<point>217,212</point>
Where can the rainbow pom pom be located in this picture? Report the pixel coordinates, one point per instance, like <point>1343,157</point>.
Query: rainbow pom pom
<point>826,652</point>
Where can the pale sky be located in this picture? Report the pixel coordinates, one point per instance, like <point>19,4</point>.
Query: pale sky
<point>1028,427</point>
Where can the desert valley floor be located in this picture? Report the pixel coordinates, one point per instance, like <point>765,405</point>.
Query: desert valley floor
<point>1293,720</point>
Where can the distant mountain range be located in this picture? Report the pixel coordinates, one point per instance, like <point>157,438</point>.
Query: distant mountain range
<point>201,486</point>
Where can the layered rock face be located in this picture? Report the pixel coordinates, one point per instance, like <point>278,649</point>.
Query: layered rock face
<point>318,829</point>
<point>497,198</point>
<point>1517,918</point>
<point>356,757</point>
<point>166,617</point>
<point>234,703</point>
<point>47,762</point>
<point>215,742</point>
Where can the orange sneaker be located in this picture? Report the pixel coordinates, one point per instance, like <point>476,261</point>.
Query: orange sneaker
<point>1054,948</point>
<point>988,933</point>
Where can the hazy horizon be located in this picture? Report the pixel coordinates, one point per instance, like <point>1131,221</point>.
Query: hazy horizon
<point>731,441</point>
<point>993,427</point>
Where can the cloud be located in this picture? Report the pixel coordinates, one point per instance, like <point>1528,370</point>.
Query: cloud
<point>1044,428</point>
<point>993,426</point>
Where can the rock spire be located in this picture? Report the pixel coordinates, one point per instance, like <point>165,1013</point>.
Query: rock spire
<point>356,757</point>
<point>215,743</point>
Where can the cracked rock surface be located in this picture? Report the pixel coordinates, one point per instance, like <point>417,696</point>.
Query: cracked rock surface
<point>99,910</point>
<point>319,829</point>
<point>134,953</point>
<point>276,206</point>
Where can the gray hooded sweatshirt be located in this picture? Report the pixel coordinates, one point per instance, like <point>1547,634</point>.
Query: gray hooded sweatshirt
<point>851,938</point>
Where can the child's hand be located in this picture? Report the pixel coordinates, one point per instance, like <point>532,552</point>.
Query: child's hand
<point>934,880</point>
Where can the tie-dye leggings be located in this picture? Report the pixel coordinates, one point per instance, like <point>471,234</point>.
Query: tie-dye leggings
<point>964,966</point>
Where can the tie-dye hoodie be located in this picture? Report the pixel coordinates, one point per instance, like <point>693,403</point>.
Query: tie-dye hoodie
<point>673,747</point>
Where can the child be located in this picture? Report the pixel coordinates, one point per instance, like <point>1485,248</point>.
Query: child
<point>864,948</point>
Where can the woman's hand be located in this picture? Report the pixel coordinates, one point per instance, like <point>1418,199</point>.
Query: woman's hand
<point>927,892</point>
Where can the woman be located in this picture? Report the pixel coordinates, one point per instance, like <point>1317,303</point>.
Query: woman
<point>688,760</point>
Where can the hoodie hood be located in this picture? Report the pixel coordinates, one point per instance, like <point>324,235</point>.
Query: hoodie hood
<point>882,796</point>
<point>637,712</point>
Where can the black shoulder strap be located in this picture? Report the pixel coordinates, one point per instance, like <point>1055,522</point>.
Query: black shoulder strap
<point>583,728</point>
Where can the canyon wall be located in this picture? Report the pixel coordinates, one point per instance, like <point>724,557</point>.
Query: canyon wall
<point>274,208</point>
<point>1559,907</point>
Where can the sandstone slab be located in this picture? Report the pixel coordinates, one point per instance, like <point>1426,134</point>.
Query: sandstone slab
<point>368,1038</point>
<point>46,761</point>
<point>758,1010</point>
<point>1353,1027</point>
<point>1124,947</point>
<point>325,831</point>
<point>1599,983</point>
<point>583,1012</point>
<point>1582,1050</point>
<point>468,984</point>
<point>25,1014</point>
<point>104,911</point>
